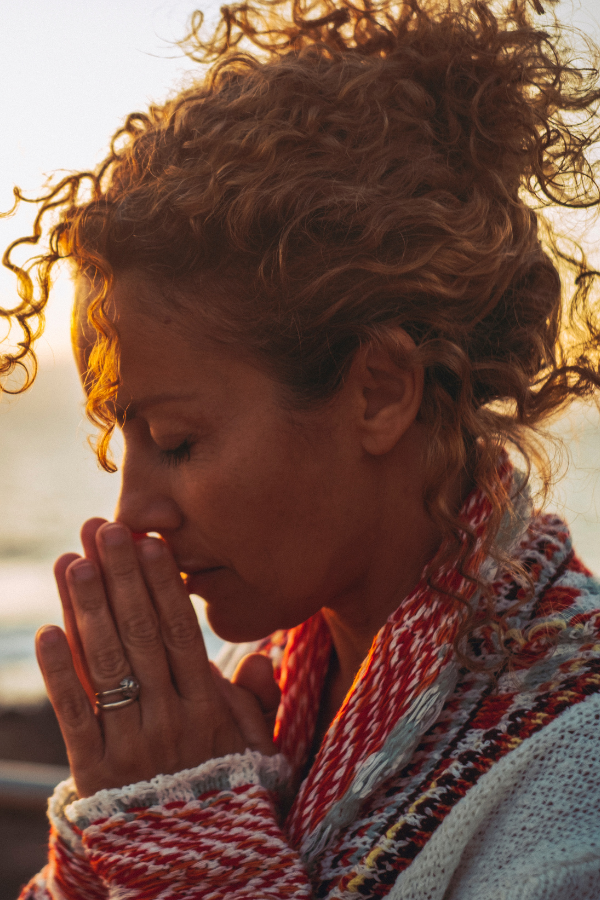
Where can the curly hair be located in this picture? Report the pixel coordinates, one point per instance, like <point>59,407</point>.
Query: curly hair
<point>354,167</point>
<point>28,314</point>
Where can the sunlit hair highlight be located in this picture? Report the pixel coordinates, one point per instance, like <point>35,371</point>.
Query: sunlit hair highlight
<point>346,169</point>
<point>27,314</point>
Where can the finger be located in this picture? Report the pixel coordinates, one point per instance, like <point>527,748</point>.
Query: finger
<point>89,530</point>
<point>103,651</point>
<point>255,673</point>
<point>70,620</point>
<point>131,604</point>
<point>78,724</point>
<point>88,534</point>
<point>248,716</point>
<point>179,625</point>
<point>60,573</point>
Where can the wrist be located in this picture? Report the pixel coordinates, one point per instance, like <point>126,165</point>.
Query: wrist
<point>220,774</point>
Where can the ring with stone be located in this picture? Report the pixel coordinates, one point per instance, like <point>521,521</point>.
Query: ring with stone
<point>129,690</point>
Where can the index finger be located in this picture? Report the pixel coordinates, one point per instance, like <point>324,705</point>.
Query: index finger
<point>88,539</point>
<point>72,631</point>
<point>181,632</point>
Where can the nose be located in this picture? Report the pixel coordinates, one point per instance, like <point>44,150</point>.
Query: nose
<point>145,503</point>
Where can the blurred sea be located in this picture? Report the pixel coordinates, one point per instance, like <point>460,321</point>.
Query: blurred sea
<point>50,483</point>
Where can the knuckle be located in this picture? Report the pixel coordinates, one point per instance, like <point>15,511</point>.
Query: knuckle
<point>140,631</point>
<point>88,601</point>
<point>72,711</point>
<point>182,632</point>
<point>125,574</point>
<point>163,576</point>
<point>108,663</point>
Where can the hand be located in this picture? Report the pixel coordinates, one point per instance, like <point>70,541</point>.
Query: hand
<point>127,612</point>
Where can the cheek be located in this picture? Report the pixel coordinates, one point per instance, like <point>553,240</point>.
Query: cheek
<point>227,483</point>
<point>270,503</point>
<point>287,529</point>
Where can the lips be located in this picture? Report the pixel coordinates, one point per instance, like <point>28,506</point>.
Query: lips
<point>189,567</point>
<point>199,580</point>
<point>190,571</point>
<point>187,573</point>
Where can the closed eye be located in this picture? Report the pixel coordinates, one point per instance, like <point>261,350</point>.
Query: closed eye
<point>177,455</point>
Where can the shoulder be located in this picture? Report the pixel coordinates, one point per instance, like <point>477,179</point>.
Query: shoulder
<point>556,634</point>
<point>530,826</point>
<point>525,824</point>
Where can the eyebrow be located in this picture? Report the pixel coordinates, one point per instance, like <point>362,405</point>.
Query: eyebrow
<point>134,408</point>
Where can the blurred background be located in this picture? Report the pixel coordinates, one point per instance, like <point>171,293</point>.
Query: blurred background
<point>70,71</point>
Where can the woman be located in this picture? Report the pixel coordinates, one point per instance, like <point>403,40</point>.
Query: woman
<point>315,295</point>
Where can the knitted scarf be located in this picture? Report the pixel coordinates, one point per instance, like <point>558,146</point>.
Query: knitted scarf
<point>390,705</point>
<point>413,737</point>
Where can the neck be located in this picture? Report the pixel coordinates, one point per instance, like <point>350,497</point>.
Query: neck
<point>406,541</point>
<point>353,625</point>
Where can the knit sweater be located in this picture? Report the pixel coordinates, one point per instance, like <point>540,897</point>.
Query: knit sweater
<point>482,789</point>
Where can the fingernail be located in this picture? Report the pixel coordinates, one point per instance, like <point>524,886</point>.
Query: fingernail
<point>82,570</point>
<point>151,548</point>
<point>113,535</point>
<point>49,634</point>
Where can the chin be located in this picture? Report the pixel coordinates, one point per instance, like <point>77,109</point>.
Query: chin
<point>230,628</point>
<point>239,615</point>
<point>232,623</point>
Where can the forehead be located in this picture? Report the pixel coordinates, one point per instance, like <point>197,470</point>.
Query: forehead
<point>131,295</point>
<point>161,343</point>
<point>137,293</point>
<point>140,312</point>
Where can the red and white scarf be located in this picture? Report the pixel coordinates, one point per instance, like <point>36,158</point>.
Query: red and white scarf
<point>390,704</point>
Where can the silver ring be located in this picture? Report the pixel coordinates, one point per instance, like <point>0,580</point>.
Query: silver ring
<point>129,690</point>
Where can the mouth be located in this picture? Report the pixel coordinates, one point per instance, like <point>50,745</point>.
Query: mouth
<point>196,579</point>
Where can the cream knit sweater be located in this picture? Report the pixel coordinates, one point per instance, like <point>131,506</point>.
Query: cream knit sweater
<point>528,830</point>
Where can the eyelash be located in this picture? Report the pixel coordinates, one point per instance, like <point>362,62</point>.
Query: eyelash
<point>177,455</point>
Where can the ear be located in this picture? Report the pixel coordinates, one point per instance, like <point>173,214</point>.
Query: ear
<point>388,395</point>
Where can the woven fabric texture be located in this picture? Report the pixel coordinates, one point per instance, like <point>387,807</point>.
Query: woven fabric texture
<point>530,828</point>
<point>421,756</point>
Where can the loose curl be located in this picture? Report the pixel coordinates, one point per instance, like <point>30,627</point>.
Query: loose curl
<point>28,314</point>
<point>350,168</point>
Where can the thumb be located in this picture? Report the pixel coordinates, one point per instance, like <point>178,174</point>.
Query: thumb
<point>254,726</point>
<point>255,673</point>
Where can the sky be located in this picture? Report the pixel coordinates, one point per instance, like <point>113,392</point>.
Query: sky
<point>70,72</point>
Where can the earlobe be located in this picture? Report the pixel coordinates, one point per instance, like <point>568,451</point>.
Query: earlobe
<point>391,390</point>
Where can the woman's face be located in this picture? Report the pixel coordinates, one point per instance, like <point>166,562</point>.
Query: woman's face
<point>269,513</point>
